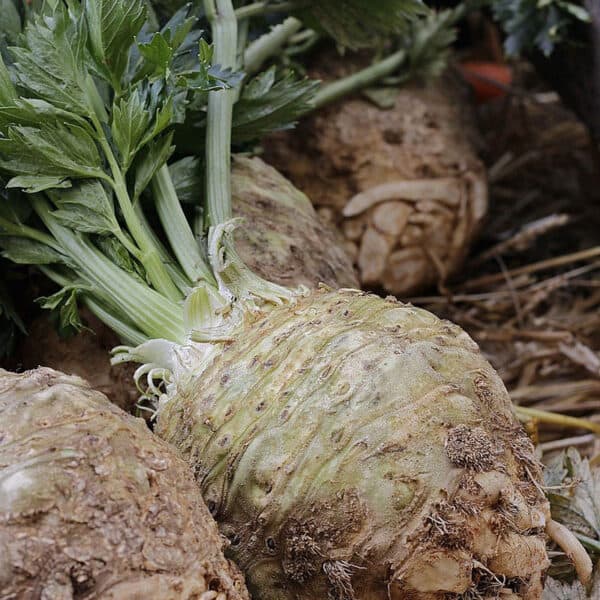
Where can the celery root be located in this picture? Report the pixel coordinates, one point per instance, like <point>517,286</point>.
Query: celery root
<point>403,184</point>
<point>281,237</point>
<point>354,447</point>
<point>92,505</point>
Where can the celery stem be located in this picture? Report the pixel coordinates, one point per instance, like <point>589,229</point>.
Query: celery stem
<point>269,44</point>
<point>112,318</point>
<point>155,315</point>
<point>220,109</point>
<point>553,418</point>
<point>181,237</point>
<point>149,256</point>
<point>19,230</point>
<point>228,267</point>
<point>334,91</point>
<point>128,334</point>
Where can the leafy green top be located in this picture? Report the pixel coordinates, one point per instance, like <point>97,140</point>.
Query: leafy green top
<point>537,24</point>
<point>362,23</point>
<point>87,104</point>
<point>91,94</point>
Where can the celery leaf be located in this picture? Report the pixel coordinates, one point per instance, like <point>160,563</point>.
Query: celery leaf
<point>113,26</point>
<point>51,62</point>
<point>64,303</point>
<point>86,207</point>
<point>362,23</point>
<point>271,102</point>
<point>24,251</point>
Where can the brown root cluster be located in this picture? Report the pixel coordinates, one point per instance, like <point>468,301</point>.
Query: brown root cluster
<point>404,184</point>
<point>92,505</point>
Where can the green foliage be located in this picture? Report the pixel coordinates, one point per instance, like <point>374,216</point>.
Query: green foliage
<point>429,40</point>
<point>8,93</point>
<point>537,24</point>
<point>157,154</point>
<point>88,98</point>
<point>23,251</point>
<point>119,255</point>
<point>129,125</point>
<point>10,23</point>
<point>51,62</point>
<point>50,150</point>
<point>112,28</point>
<point>64,305</point>
<point>86,207</point>
<point>362,23</point>
<point>186,174</point>
<point>271,102</point>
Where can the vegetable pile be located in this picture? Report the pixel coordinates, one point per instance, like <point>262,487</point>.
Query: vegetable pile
<point>93,505</point>
<point>349,446</point>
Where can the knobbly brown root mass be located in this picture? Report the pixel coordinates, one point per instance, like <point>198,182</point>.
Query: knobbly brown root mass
<point>92,505</point>
<point>403,184</point>
<point>281,238</point>
<point>355,448</point>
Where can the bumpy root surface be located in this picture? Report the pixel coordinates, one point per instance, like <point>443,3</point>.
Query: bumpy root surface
<point>404,184</point>
<point>93,506</point>
<point>282,238</point>
<point>355,448</point>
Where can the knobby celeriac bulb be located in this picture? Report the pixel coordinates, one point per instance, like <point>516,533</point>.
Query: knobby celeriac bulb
<point>281,237</point>
<point>403,184</point>
<point>92,505</point>
<point>352,447</point>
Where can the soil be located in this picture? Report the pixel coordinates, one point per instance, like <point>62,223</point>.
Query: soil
<point>86,354</point>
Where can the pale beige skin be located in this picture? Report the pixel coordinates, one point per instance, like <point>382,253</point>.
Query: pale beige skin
<point>93,505</point>
<point>281,237</point>
<point>354,447</point>
<point>404,185</point>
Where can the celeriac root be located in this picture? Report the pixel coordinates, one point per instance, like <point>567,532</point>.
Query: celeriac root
<point>93,505</point>
<point>357,448</point>
<point>281,237</point>
<point>404,185</point>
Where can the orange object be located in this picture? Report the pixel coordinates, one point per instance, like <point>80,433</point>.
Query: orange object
<point>489,80</point>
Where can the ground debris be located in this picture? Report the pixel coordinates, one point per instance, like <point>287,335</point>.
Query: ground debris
<point>530,295</point>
